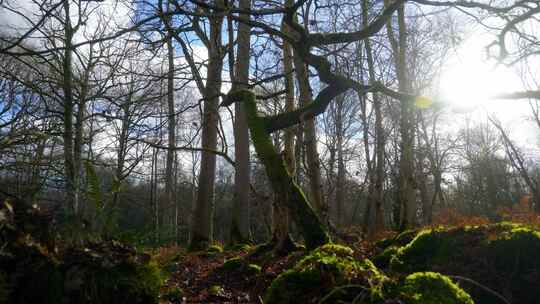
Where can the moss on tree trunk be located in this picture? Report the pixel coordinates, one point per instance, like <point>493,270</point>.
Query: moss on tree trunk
<point>311,228</point>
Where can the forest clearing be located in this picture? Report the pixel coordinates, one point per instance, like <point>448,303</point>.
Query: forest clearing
<point>257,151</point>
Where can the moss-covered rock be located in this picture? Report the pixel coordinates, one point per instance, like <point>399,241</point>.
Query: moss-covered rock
<point>121,283</point>
<point>253,269</point>
<point>399,240</point>
<point>241,247</point>
<point>324,269</point>
<point>238,264</point>
<point>214,249</point>
<point>431,288</point>
<point>428,247</point>
<point>503,257</point>
<point>383,259</point>
<point>232,264</point>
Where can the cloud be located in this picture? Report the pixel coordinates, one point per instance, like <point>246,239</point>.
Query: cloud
<point>98,18</point>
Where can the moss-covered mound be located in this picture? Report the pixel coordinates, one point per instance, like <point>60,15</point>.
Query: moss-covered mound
<point>398,240</point>
<point>324,269</point>
<point>431,288</point>
<point>214,249</point>
<point>101,272</point>
<point>502,257</point>
<point>390,246</point>
<point>239,265</point>
<point>110,273</point>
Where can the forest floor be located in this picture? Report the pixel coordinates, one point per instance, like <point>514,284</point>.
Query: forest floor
<point>464,258</point>
<point>201,277</point>
<point>495,263</point>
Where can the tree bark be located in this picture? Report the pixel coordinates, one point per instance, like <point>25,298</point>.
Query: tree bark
<point>67,87</point>
<point>310,141</point>
<point>240,232</point>
<point>311,228</point>
<point>171,127</point>
<point>201,226</point>
<point>407,196</point>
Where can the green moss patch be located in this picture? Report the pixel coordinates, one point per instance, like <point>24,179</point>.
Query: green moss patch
<point>383,259</point>
<point>432,288</point>
<point>238,264</point>
<point>232,264</point>
<point>400,239</point>
<point>96,274</point>
<point>324,269</point>
<point>241,247</point>
<point>214,249</point>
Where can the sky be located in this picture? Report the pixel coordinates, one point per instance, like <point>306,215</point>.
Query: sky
<point>469,80</point>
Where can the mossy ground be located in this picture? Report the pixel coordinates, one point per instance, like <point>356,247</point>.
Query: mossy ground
<point>431,288</point>
<point>502,257</point>
<point>317,274</point>
<point>105,272</point>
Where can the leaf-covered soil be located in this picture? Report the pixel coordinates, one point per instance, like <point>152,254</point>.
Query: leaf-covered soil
<point>495,263</point>
<point>201,277</point>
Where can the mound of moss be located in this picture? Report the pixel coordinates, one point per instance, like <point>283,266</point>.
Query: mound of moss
<point>214,249</point>
<point>502,257</point>
<point>431,288</point>
<point>400,239</point>
<point>320,272</point>
<point>110,273</point>
<point>237,264</point>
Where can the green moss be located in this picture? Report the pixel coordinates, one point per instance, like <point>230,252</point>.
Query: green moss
<point>312,229</point>
<point>253,269</point>
<point>432,288</point>
<point>241,247</point>
<point>125,283</point>
<point>174,294</point>
<point>215,290</point>
<point>383,259</point>
<point>320,272</point>
<point>232,264</point>
<point>427,248</point>
<point>401,239</point>
<point>216,248</point>
<point>148,280</point>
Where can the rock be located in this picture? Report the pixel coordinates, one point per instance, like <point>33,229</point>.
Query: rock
<point>502,257</point>
<point>324,269</point>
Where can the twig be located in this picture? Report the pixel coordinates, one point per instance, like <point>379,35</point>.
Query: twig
<point>496,294</point>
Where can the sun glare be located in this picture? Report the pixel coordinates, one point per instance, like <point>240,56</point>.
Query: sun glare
<point>469,81</point>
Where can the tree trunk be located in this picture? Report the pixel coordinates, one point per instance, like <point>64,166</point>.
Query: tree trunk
<point>240,232</point>
<point>310,141</point>
<point>281,217</point>
<point>407,196</point>
<point>340,181</point>
<point>378,189</point>
<point>169,175</point>
<point>311,228</point>
<point>201,225</point>
<point>67,87</point>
